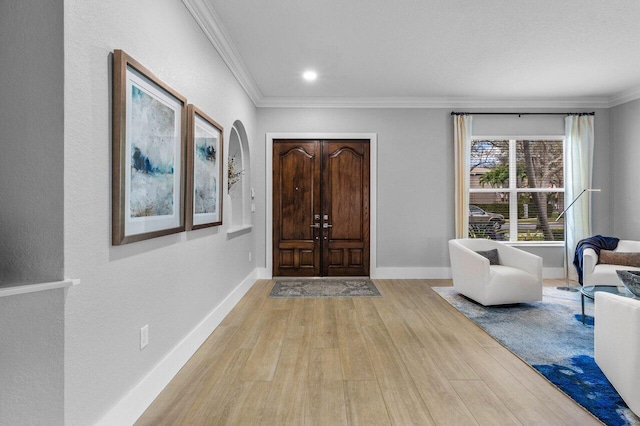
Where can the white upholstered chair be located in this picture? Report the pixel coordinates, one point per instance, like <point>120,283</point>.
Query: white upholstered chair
<point>617,344</point>
<point>518,277</point>
<point>594,273</point>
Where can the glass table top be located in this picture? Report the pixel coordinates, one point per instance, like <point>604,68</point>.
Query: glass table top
<point>590,291</point>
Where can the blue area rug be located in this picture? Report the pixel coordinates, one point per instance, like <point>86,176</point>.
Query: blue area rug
<point>550,337</point>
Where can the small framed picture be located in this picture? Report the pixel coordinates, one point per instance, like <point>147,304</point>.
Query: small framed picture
<point>204,165</point>
<point>148,164</point>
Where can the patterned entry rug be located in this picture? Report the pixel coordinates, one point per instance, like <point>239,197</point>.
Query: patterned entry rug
<point>550,337</point>
<point>324,288</point>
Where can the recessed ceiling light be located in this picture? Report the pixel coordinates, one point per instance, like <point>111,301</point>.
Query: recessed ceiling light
<point>310,75</point>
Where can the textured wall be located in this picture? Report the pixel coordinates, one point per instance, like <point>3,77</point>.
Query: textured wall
<point>170,283</point>
<point>413,216</point>
<point>31,212</point>
<point>31,354</point>
<point>32,137</point>
<point>415,172</point>
<point>625,128</point>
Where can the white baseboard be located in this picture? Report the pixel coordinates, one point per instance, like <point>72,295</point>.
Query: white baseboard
<point>552,272</point>
<point>264,274</point>
<point>411,273</point>
<point>134,403</point>
<point>439,273</point>
<point>388,273</point>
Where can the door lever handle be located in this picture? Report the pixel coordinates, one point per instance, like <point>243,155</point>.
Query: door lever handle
<point>326,225</point>
<point>315,225</point>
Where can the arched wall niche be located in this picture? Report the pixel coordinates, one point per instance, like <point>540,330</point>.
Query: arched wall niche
<point>239,192</point>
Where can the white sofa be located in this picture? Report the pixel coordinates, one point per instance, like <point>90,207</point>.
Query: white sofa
<point>617,344</point>
<point>517,279</point>
<point>602,274</point>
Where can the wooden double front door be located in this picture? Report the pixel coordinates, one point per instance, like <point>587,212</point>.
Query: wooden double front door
<point>320,208</point>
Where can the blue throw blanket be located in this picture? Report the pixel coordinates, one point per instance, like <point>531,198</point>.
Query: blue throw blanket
<point>597,243</point>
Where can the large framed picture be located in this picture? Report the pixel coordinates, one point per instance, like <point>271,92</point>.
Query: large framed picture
<point>148,164</point>
<point>204,165</point>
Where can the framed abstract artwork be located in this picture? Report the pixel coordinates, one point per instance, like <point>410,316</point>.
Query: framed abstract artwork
<point>148,164</point>
<point>204,165</point>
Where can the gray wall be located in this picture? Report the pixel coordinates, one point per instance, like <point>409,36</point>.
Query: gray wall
<point>625,176</point>
<point>31,216</point>
<point>171,283</point>
<point>413,216</point>
<point>32,162</point>
<point>415,172</point>
<point>31,359</point>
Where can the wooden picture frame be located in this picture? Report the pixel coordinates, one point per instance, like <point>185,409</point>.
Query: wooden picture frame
<point>204,170</point>
<point>148,164</point>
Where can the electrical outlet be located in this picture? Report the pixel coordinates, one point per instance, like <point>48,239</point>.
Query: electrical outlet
<point>144,336</point>
<point>249,256</point>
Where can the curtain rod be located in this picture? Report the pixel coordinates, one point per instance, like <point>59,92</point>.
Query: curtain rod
<point>522,113</point>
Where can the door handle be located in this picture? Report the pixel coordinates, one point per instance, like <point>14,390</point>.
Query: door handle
<point>326,225</point>
<point>315,225</point>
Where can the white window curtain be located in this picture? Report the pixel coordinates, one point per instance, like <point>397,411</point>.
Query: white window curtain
<point>579,152</point>
<point>462,151</point>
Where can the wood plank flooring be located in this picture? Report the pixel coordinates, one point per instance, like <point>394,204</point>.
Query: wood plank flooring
<point>408,358</point>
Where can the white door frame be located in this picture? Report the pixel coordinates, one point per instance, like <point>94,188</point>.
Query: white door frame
<point>373,161</point>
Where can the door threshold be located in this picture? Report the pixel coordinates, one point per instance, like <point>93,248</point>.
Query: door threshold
<point>358,277</point>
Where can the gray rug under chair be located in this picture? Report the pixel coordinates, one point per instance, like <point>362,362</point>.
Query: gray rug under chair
<point>324,287</point>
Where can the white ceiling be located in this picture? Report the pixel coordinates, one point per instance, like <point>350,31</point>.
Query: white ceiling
<point>429,52</point>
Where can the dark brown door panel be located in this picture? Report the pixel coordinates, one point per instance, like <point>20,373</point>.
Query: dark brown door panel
<point>321,208</point>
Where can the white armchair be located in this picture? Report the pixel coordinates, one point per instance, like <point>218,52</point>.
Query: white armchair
<point>594,273</point>
<point>517,279</point>
<point>617,344</point>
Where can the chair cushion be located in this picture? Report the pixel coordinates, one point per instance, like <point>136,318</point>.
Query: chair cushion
<point>492,255</point>
<point>511,285</point>
<point>511,276</point>
<point>619,258</point>
<point>604,274</point>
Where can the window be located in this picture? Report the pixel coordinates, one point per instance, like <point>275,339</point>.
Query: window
<point>516,189</point>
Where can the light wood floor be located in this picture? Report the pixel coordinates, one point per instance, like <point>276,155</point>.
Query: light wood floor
<point>406,358</point>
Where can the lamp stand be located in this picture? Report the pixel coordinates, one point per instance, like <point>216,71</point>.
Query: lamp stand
<point>568,287</point>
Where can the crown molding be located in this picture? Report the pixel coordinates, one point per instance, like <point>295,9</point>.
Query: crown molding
<point>624,97</point>
<point>208,20</point>
<point>337,102</point>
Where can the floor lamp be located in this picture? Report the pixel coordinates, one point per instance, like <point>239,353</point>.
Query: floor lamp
<point>567,287</point>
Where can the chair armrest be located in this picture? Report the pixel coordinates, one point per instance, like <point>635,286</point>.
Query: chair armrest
<point>520,259</point>
<point>617,326</point>
<point>467,265</point>
<point>617,344</point>
<point>589,262</point>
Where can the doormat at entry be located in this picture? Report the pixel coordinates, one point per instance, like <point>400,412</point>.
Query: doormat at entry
<point>286,289</point>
